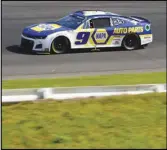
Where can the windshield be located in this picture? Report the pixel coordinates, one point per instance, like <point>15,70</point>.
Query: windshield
<point>71,21</point>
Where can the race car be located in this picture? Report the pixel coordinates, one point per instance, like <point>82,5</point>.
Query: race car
<point>90,29</point>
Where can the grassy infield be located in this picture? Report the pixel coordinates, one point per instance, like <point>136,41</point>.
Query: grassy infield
<point>111,122</point>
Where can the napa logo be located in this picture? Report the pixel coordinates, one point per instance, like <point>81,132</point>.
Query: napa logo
<point>100,36</point>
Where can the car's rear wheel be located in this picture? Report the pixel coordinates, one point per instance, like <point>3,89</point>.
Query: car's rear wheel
<point>60,45</point>
<point>131,42</point>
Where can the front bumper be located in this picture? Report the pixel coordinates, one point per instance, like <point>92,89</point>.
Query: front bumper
<point>146,39</point>
<point>33,45</point>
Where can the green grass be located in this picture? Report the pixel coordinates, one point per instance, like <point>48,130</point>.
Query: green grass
<point>117,79</point>
<point>112,122</point>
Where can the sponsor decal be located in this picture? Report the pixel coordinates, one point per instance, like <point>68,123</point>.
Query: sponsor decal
<point>147,37</point>
<point>128,30</point>
<point>100,36</point>
<point>147,27</point>
<point>45,27</point>
<point>116,41</point>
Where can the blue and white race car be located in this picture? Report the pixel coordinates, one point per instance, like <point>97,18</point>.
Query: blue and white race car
<point>87,29</point>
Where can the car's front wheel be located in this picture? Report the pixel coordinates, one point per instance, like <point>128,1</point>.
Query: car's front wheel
<point>60,45</point>
<point>131,42</point>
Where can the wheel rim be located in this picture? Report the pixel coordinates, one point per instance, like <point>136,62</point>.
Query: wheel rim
<point>130,42</point>
<point>57,47</point>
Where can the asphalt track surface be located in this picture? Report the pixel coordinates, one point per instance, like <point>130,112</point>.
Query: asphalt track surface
<point>17,15</point>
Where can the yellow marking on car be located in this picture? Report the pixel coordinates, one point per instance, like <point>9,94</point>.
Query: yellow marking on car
<point>90,40</point>
<point>37,28</point>
<point>53,47</point>
<point>146,35</point>
<point>56,26</point>
<point>43,27</point>
<point>110,40</point>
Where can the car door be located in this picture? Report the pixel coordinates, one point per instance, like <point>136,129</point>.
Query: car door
<point>83,36</point>
<point>103,31</point>
<point>94,32</point>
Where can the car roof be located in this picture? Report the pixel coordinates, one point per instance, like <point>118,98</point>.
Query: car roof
<point>94,13</point>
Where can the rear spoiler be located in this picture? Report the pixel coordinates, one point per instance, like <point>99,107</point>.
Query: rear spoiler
<point>140,19</point>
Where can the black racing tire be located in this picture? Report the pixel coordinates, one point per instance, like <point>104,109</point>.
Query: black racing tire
<point>60,45</point>
<point>131,42</point>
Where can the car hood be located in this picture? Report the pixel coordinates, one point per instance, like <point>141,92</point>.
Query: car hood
<point>43,29</point>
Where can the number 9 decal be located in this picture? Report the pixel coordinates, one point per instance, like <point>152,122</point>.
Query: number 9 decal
<point>82,38</point>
